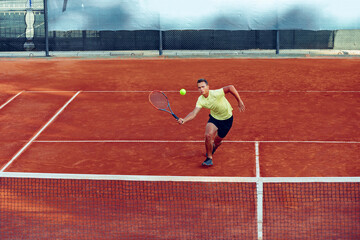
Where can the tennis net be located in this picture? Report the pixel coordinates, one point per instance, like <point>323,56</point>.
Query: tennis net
<point>68,206</point>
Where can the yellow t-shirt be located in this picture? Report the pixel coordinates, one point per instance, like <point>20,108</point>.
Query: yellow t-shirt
<point>219,106</point>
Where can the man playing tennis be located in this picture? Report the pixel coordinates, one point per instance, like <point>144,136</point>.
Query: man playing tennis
<point>221,117</point>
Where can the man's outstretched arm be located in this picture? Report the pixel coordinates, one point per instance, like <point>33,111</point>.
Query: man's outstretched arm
<point>190,116</point>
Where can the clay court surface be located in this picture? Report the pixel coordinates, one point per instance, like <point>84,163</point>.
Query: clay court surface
<point>289,101</point>
<point>92,116</point>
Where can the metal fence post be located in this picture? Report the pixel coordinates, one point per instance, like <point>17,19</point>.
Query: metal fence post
<point>46,29</point>
<point>160,43</point>
<point>277,41</point>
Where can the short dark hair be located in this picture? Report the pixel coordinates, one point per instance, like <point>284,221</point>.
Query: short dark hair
<point>203,80</point>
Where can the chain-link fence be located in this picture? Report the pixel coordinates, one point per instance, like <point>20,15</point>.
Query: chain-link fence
<point>22,28</point>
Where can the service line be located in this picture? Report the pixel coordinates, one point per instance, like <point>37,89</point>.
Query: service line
<point>194,91</point>
<point>2,106</point>
<point>187,141</point>
<point>39,132</point>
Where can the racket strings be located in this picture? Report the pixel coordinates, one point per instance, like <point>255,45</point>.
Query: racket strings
<point>159,100</point>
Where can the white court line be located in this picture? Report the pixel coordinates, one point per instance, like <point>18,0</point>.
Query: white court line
<point>127,177</point>
<point>191,91</point>
<point>310,179</point>
<point>257,156</point>
<point>39,132</point>
<point>315,91</point>
<point>177,178</point>
<point>188,141</point>
<point>240,91</point>
<point>2,106</point>
<point>52,91</point>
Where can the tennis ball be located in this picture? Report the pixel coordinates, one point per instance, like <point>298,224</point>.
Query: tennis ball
<point>182,91</point>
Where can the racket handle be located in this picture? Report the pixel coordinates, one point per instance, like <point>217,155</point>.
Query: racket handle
<point>175,116</point>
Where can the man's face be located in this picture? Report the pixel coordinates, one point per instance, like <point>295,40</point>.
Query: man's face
<point>203,88</point>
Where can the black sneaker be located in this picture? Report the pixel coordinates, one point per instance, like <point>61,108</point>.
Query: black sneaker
<point>208,162</point>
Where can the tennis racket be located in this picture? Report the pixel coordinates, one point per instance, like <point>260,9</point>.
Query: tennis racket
<point>160,101</point>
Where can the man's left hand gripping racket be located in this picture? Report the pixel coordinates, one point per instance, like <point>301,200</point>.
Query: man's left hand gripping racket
<point>161,102</point>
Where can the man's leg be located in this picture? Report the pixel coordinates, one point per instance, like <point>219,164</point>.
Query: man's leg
<point>210,132</point>
<point>217,142</point>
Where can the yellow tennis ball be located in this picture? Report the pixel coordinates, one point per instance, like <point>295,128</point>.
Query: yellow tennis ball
<point>182,91</point>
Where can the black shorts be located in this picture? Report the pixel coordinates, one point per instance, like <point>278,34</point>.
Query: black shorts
<point>222,125</point>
